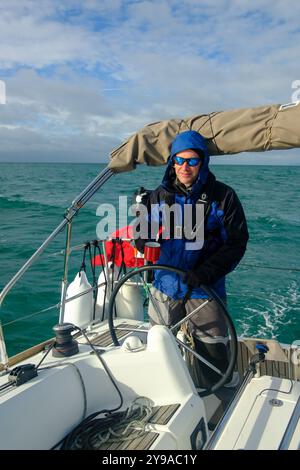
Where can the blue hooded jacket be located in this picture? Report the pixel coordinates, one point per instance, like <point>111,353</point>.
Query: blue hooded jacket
<point>225,228</point>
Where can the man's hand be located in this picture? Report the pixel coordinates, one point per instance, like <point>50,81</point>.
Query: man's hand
<point>192,279</point>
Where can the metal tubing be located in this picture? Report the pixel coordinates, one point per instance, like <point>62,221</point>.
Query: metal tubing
<point>187,317</point>
<point>31,260</point>
<point>91,189</point>
<point>92,185</point>
<point>3,352</point>
<point>64,284</point>
<point>76,205</point>
<point>208,364</point>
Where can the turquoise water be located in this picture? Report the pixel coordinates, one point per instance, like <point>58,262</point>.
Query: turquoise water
<point>33,197</point>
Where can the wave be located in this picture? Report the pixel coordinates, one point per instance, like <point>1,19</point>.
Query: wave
<point>271,316</point>
<point>17,202</point>
<point>272,222</point>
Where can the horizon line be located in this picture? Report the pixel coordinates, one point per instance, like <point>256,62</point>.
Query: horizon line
<point>141,165</point>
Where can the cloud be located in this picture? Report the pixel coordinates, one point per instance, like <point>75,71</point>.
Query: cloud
<point>88,74</point>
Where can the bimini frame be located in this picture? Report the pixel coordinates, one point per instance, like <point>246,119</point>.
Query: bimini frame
<point>76,205</point>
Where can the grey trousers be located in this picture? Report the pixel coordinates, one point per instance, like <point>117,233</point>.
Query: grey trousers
<point>208,328</point>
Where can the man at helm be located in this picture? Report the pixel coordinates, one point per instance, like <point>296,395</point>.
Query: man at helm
<point>188,183</point>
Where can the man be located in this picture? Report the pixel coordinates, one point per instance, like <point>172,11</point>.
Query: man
<point>187,183</point>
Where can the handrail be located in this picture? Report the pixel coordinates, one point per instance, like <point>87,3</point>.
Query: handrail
<point>289,432</point>
<point>213,440</point>
<point>77,204</point>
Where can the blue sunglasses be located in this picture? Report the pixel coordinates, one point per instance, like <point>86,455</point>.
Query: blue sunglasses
<point>190,161</point>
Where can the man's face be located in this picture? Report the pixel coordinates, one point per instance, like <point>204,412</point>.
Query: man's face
<point>185,173</point>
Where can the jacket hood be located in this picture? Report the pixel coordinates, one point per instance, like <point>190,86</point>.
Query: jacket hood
<point>184,141</point>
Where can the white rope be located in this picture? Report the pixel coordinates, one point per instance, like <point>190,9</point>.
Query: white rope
<point>130,426</point>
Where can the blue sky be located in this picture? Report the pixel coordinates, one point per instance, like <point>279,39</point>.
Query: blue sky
<point>83,75</point>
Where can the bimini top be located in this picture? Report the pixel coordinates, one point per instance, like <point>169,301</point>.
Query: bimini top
<point>271,127</point>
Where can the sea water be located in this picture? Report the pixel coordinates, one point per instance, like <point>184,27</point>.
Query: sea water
<point>263,292</point>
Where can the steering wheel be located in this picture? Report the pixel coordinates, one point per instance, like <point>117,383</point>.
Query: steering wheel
<point>211,295</point>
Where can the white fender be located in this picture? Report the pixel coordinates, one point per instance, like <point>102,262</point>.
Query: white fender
<point>79,311</point>
<point>129,302</point>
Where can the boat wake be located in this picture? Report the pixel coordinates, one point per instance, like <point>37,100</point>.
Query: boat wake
<point>270,316</point>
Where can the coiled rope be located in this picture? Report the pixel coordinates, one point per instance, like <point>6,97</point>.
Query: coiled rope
<point>114,427</point>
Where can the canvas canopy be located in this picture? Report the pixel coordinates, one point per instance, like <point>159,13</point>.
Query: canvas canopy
<point>272,127</point>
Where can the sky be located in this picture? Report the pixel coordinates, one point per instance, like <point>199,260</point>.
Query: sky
<point>81,76</point>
